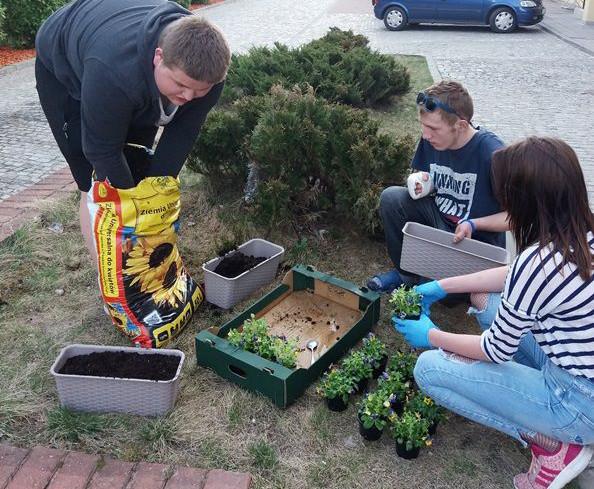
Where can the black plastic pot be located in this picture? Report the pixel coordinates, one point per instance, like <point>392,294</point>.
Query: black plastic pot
<point>407,454</point>
<point>380,368</point>
<point>432,428</point>
<point>398,406</point>
<point>371,434</point>
<point>362,385</point>
<point>336,404</point>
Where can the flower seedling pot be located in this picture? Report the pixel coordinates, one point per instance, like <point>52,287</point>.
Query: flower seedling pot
<point>110,394</point>
<point>407,454</point>
<point>432,428</point>
<point>371,434</point>
<point>397,406</point>
<point>336,404</point>
<point>412,317</point>
<point>362,385</point>
<point>381,367</point>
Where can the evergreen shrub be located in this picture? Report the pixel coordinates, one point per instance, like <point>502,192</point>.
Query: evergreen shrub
<point>339,66</point>
<point>218,153</point>
<point>313,157</point>
<point>2,31</point>
<point>24,17</point>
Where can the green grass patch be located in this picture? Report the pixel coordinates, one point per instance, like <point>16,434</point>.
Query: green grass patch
<point>401,118</point>
<point>263,455</point>
<point>67,425</point>
<point>158,433</point>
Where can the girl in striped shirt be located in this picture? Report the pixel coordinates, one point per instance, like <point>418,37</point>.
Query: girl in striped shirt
<point>539,312</point>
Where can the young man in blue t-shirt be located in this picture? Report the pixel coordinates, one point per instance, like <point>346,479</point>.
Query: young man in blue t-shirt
<point>456,156</point>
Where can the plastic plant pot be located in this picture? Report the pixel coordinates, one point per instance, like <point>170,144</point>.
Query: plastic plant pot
<point>336,404</point>
<point>370,434</point>
<point>407,454</point>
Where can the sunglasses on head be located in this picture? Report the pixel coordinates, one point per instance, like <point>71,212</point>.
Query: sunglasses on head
<point>432,103</point>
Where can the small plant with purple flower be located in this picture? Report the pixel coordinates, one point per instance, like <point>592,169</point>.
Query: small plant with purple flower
<point>403,363</point>
<point>357,366</point>
<point>375,350</point>
<point>396,388</point>
<point>374,410</point>
<point>336,384</point>
<point>405,303</point>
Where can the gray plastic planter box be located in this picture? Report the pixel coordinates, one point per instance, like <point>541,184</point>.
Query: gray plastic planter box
<point>431,253</point>
<point>115,395</point>
<point>226,292</point>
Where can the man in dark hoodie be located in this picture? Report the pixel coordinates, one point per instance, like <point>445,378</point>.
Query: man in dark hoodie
<point>455,157</point>
<point>110,73</point>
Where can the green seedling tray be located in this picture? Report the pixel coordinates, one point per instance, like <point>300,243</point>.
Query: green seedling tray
<point>284,385</point>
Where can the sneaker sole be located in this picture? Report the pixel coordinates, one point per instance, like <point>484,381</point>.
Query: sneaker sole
<point>575,468</point>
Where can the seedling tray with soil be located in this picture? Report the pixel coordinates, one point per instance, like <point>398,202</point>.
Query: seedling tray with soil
<point>308,305</point>
<point>100,378</point>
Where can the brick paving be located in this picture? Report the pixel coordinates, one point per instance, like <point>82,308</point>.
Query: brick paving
<point>19,208</point>
<point>49,468</point>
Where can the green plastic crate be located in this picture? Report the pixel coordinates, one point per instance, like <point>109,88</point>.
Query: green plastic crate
<point>281,384</point>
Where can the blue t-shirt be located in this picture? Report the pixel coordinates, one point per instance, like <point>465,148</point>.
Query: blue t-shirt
<point>462,180</point>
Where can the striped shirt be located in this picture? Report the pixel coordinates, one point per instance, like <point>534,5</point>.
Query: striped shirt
<point>557,306</point>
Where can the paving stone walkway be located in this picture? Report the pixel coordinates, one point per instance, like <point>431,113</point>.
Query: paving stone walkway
<point>48,468</point>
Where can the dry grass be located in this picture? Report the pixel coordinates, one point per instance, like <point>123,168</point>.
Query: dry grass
<point>215,423</point>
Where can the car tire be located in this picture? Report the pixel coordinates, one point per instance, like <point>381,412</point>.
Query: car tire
<point>503,20</point>
<point>395,19</point>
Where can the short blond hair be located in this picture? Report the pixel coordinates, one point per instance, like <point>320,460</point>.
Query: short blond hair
<point>197,47</point>
<point>456,96</point>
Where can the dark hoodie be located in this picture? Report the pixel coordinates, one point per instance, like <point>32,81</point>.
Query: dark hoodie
<point>102,52</point>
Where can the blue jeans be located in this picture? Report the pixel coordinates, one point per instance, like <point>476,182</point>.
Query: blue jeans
<point>530,395</point>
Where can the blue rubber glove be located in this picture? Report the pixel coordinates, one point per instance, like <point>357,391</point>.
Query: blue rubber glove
<point>432,292</point>
<point>415,332</point>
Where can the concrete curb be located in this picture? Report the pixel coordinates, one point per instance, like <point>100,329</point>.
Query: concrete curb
<point>433,69</point>
<point>565,39</point>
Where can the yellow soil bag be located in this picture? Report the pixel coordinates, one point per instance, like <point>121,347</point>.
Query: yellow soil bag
<point>148,292</point>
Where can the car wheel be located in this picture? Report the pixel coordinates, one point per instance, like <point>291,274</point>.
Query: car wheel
<point>395,19</point>
<point>503,20</point>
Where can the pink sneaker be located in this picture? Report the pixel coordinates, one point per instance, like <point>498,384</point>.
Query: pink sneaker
<point>554,471</point>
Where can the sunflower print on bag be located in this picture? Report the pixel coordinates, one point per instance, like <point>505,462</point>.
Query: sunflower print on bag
<point>156,266</point>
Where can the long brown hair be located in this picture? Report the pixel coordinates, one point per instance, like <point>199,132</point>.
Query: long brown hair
<point>539,182</point>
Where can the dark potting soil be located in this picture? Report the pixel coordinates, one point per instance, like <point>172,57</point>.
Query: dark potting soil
<point>124,365</point>
<point>237,263</point>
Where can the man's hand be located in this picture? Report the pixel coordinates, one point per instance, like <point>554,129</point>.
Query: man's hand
<point>416,333</point>
<point>419,185</point>
<point>431,292</point>
<point>463,230</point>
